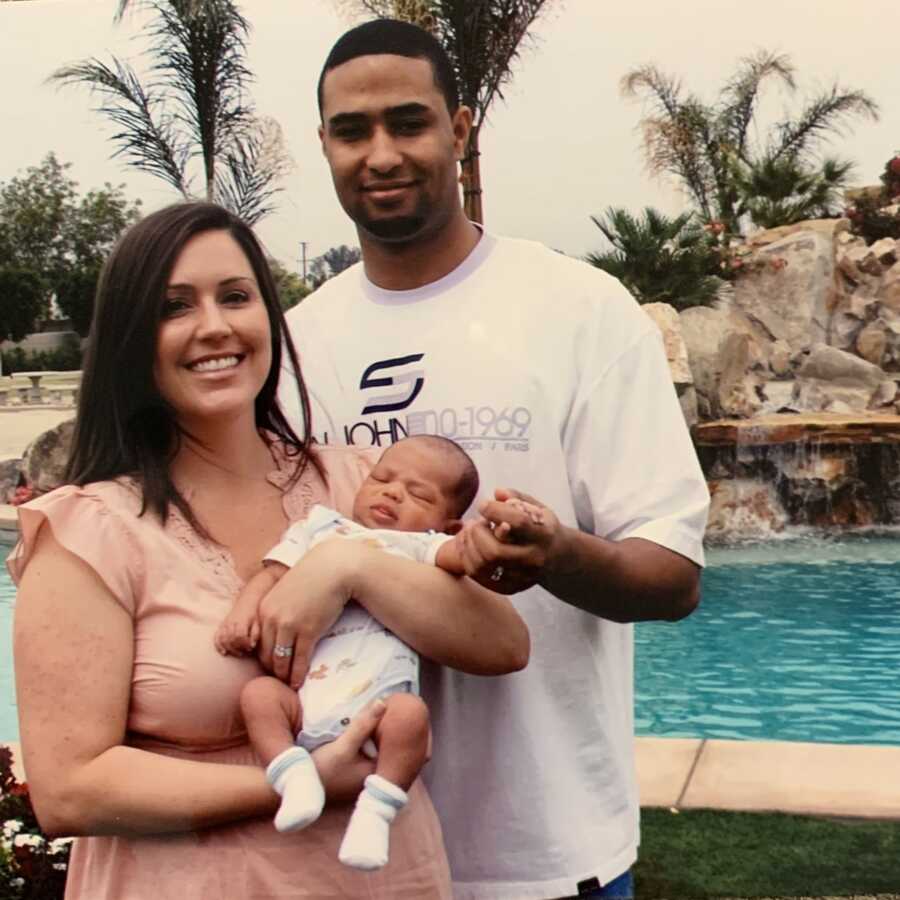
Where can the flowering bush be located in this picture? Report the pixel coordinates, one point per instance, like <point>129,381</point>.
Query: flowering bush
<point>31,867</point>
<point>22,494</point>
<point>875,216</point>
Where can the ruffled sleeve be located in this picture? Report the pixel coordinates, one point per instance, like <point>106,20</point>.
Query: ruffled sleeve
<point>93,522</point>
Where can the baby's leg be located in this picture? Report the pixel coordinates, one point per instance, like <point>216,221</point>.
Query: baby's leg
<point>402,736</point>
<point>273,716</point>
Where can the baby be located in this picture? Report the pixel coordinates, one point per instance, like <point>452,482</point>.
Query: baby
<point>411,504</point>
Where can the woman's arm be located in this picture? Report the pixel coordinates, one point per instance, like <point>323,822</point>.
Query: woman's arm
<point>448,619</point>
<point>74,654</point>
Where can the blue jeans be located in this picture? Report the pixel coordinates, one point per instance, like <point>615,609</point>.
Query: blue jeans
<point>621,888</point>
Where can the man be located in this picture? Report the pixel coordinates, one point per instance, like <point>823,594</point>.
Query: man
<point>546,371</point>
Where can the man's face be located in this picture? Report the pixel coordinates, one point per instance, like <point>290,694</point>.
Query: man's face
<point>392,146</point>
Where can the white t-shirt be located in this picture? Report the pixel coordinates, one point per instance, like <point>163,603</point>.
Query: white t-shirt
<point>548,373</point>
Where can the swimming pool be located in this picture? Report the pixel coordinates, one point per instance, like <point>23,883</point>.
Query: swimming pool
<point>797,640</point>
<point>9,728</point>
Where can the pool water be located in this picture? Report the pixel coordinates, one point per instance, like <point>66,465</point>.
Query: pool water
<point>9,728</point>
<point>796,640</point>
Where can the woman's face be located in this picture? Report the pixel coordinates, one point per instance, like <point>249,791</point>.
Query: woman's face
<point>214,345</point>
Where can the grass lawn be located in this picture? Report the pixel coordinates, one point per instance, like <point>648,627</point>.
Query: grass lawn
<point>712,854</point>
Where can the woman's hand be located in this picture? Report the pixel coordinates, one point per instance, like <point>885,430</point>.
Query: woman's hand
<point>304,604</point>
<point>341,764</point>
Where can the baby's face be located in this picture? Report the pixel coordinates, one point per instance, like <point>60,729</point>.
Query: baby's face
<point>410,489</point>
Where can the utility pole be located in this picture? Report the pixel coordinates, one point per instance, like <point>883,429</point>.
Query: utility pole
<point>303,245</point>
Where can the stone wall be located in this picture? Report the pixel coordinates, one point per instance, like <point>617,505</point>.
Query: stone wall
<point>812,324</point>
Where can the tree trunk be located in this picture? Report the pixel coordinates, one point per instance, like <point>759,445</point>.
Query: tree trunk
<point>471,180</point>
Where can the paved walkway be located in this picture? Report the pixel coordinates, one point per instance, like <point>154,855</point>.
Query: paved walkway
<point>19,426</point>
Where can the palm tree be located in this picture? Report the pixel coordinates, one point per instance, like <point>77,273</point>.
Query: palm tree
<point>660,260</point>
<point>483,39</point>
<point>194,106</point>
<point>778,191</point>
<point>707,146</point>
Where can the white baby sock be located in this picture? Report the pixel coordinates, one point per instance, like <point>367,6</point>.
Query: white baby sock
<point>365,843</point>
<point>293,775</point>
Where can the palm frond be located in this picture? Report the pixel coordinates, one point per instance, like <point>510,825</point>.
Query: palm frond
<point>253,168</point>
<point>670,260</point>
<point>147,137</point>
<point>739,97</point>
<point>828,113</point>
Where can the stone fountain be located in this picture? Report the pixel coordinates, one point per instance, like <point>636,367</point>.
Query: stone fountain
<point>789,382</point>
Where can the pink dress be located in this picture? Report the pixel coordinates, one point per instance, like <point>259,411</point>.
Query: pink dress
<point>184,702</point>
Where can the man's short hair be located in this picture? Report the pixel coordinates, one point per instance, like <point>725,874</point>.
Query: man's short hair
<point>398,39</point>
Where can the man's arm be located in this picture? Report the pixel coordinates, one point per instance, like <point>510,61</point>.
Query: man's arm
<point>624,581</point>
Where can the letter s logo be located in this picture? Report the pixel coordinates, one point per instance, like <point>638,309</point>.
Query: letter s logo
<point>412,381</point>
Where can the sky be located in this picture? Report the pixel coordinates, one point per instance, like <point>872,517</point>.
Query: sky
<point>561,146</point>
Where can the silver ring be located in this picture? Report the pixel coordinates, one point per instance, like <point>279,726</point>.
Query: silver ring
<point>497,574</point>
<point>283,650</point>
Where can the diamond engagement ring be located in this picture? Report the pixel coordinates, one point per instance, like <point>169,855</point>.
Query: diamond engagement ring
<point>283,650</point>
<point>497,574</point>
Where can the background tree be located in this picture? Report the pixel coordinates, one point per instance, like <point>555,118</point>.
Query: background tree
<point>194,105</point>
<point>483,39</point>
<point>22,302</point>
<point>709,147</point>
<point>291,289</point>
<point>331,262</point>
<point>53,241</point>
<point>659,259</point>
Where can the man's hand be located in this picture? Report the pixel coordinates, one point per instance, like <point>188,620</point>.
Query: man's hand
<point>510,548</point>
<point>304,604</point>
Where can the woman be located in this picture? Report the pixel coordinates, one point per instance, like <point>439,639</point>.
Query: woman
<point>183,473</point>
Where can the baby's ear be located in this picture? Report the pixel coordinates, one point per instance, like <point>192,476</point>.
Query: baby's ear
<point>454,526</point>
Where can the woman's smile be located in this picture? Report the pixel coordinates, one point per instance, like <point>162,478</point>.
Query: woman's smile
<point>214,345</point>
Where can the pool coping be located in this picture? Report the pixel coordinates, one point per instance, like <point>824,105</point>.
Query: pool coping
<point>841,780</point>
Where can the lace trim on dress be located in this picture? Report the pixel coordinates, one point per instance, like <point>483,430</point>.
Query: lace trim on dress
<point>296,501</point>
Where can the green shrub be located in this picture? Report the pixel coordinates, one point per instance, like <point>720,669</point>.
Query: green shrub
<point>663,260</point>
<point>61,359</point>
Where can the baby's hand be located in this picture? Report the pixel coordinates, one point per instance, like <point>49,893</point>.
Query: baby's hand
<point>238,635</point>
<point>535,514</point>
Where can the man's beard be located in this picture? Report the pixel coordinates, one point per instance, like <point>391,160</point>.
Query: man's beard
<point>394,230</point>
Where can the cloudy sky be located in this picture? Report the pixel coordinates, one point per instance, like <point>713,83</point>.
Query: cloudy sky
<point>562,146</point>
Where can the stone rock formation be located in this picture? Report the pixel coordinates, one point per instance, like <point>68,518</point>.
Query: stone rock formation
<point>10,470</point>
<point>46,457</point>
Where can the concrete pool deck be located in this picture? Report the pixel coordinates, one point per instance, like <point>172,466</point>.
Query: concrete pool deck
<point>845,780</point>
<point>842,780</point>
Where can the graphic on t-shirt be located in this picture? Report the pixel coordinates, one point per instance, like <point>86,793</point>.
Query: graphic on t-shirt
<point>479,427</point>
<point>412,380</point>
